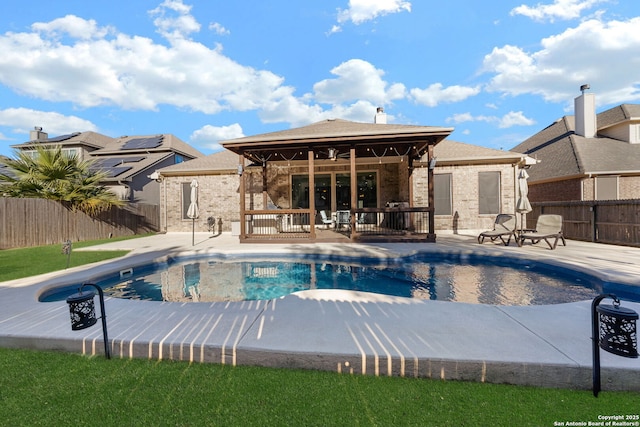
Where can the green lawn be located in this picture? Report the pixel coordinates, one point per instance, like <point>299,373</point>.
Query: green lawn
<point>53,389</point>
<point>46,388</point>
<point>25,262</point>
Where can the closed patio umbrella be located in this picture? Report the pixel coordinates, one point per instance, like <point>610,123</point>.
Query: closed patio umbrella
<point>523,205</point>
<point>192,212</point>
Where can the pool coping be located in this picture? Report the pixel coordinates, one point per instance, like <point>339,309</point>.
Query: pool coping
<point>341,331</point>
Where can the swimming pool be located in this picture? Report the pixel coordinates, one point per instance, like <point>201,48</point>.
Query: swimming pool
<point>471,279</point>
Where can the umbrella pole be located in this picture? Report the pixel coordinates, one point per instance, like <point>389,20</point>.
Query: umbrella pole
<point>193,232</point>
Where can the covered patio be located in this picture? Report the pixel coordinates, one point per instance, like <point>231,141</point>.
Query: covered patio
<point>336,180</point>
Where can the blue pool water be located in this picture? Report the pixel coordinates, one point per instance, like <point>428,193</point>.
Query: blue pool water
<point>482,280</point>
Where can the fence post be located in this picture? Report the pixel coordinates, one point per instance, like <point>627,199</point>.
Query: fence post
<point>594,222</point>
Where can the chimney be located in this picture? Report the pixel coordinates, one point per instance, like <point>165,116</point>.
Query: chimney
<point>380,117</point>
<point>37,135</point>
<point>585,113</point>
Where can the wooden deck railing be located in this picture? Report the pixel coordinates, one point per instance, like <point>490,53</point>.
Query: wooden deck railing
<point>370,224</point>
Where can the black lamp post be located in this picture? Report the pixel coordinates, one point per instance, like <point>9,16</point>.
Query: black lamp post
<point>613,330</point>
<point>83,312</point>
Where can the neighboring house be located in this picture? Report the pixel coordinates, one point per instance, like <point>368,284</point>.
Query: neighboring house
<point>129,161</point>
<point>588,156</point>
<point>471,184</point>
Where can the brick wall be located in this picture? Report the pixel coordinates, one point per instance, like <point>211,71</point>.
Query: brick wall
<point>464,184</point>
<point>560,190</point>
<point>218,196</point>
<point>219,193</point>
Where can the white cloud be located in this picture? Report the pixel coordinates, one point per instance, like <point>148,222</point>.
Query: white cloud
<point>515,118</point>
<point>512,118</point>
<point>22,120</point>
<point>436,94</point>
<point>130,72</point>
<point>360,11</point>
<point>210,136</point>
<point>603,54</point>
<point>219,29</point>
<point>72,26</point>
<point>174,27</point>
<point>560,9</point>
<point>357,79</point>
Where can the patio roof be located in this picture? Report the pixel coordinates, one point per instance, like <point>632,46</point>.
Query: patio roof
<point>368,139</point>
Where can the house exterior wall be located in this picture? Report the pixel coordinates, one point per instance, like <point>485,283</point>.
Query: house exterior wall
<point>629,187</point>
<point>219,193</point>
<point>465,195</point>
<point>218,197</point>
<point>581,190</point>
<point>143,189</point>
<point>571,189</point>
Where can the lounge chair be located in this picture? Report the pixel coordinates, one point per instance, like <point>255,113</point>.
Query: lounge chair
<point>325,220</point>
<point>548,227</point>
<point>504,227</point>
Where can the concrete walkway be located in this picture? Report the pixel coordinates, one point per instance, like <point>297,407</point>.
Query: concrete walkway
<point>343,331</point>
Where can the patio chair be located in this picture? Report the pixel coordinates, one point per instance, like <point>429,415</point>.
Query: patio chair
<point>548,226</point>
<point>325,220</point>
<point>503,227</point>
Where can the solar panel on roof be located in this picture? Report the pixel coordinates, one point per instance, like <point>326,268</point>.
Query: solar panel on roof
<point>115,171</point>
<point>140,143</point>
<point>115,161</point>
<point>62,137</point>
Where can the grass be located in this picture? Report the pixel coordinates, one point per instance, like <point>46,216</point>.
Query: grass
<point>26,262</point>
<point>48,388</point>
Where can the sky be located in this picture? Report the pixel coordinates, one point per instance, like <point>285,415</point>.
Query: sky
<point>209,70</point>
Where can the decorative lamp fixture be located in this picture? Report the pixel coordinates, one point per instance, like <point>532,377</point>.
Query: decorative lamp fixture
<point>432,163</point>
<point>613,330</point>
<point>333,154</point>
<point>83,312</point>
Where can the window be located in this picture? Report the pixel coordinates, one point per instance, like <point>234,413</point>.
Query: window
<point>333,191</point>
<point>442,193</point>
<point>71,152</point>
<point>489,193</point>
<point>179,158</point>
<point>606,188</point>
<point>186,199</point>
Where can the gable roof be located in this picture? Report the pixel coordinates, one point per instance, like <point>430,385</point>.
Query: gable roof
<point>88,139</point>
<point>338,128</point>
<point>121,158</point>
<point>563,154</point>
<point>450,152</point>
<point>147,144</point>
<point>340,134</point>
<point>221,161</point>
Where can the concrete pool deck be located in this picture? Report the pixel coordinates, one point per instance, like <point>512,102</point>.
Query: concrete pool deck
<point>343,331</point>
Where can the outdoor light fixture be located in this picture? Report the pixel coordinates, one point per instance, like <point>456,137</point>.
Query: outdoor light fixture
<point>333,154</point>
<point>83,312</point>
<point>613,330</point>
<point>240,170</point>
<point>432,163</point>
<point>584,87</point>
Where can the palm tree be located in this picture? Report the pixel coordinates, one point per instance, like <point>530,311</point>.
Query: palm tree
<point>50,174</point>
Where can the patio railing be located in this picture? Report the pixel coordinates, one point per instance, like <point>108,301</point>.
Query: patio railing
<point>405,223</point>
<point>277,224</point>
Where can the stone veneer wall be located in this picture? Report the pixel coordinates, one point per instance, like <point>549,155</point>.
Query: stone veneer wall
<point>218,196</point>
<point>582,189</point>
<point>560,190</point>
<point>465,188</point>
<point>219,193</point>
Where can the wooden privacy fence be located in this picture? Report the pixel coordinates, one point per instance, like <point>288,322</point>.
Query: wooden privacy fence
<point>603,221</point>
<point>34,222</point>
